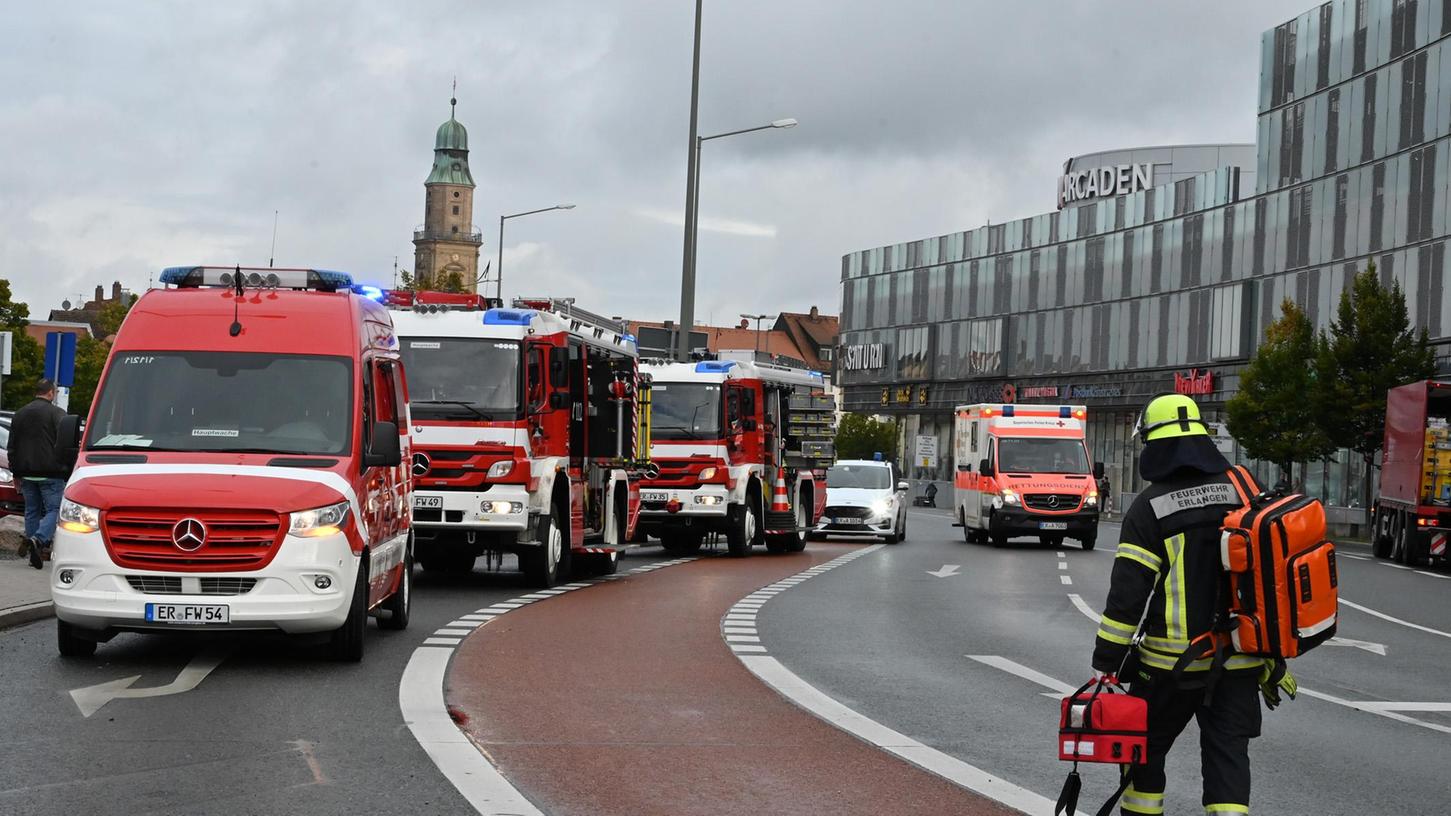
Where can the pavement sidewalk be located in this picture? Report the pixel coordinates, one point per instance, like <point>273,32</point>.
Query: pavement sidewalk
<point>24,591</point>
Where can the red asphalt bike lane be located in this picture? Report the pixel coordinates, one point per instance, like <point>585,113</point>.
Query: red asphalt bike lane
<point>624,699</point>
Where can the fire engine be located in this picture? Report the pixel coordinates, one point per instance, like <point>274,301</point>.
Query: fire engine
<point>529,425</point>
<point>739,446</point>
<point>1024,470</point>
<point>242,468</point>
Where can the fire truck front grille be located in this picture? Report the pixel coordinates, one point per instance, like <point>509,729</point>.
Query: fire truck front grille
<point>172,585</point>
<point>435,515</point>
<point>681,473</point>
<point>233,539</point>
<point>1051,501</point>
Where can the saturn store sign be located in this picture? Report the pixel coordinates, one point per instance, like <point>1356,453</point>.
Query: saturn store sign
<point>864,357</point>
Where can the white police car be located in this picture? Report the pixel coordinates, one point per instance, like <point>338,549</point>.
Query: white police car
<point>863,499</point>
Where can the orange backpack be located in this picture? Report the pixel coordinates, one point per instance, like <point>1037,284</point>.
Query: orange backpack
<point>1283,585</point>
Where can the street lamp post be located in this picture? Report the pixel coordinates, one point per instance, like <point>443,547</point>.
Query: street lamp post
<point>692,216</point>
<point>758,318</point>
<point>499,265</point>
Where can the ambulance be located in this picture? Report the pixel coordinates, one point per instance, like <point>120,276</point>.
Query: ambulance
<point>242,467</point>
<point>1024,470</point>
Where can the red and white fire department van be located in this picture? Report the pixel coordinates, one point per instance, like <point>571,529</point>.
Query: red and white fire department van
<point>242,467</point>
<point>736,446</point>
<point>1023,470</point>
<point>527,432</point>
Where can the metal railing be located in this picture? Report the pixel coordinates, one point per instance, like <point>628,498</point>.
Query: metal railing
<point>460,237</point>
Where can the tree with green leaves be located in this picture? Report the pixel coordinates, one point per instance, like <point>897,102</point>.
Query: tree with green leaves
<point>1369,348</point>
<point>92,352</point>
<point>1270,415</point>
<point>27,357</point>
<point>860,437</point>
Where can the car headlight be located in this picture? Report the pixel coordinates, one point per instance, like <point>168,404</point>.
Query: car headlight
<point>319,521</point>
<point>6,477</point>
<point>881,507</point>
<point>78,518</point>
<point>1009,497</point>
<point>500,469</point>
<point>1091,500</point>
<point>708,474</point>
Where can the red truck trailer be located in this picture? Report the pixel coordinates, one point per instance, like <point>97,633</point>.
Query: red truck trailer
<point>1412,513</point>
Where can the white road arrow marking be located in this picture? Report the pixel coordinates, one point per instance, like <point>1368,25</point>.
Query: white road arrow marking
<point>1373,648</point>
<point>1057,689</point>
<point>92,698</point>
<point>1383,616</point>
<point>947,571</point>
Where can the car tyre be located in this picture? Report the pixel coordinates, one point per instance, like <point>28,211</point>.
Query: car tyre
<point>400,603</point>
<point>1089,542</point>
<point>71,644</point>
<point>346,643</point>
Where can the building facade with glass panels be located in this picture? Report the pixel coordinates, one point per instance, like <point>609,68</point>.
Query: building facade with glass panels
<point>1159,273</point>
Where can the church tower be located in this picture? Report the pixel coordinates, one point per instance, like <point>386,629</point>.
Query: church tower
<point>448,244</point>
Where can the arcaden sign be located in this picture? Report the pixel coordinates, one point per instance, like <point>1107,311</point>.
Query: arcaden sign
<point>1101,182</point>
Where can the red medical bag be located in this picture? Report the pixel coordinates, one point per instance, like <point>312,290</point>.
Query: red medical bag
<point>1104,724</point>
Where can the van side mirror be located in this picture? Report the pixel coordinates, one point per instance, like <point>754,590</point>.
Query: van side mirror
<point>558,363</point>
<point>903,487</point>
<point>68,438</point>
<point>985,467</point>
<point>964,467</point>
<point>558,399</point>
<point>1098,470</point>
<point>383,448</point>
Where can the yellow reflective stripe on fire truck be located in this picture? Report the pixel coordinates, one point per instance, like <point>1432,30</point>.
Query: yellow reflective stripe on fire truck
<point>1136,801</point>
<point>1115,632</point>
<point>1175,612</point>
<point>1134,552</point>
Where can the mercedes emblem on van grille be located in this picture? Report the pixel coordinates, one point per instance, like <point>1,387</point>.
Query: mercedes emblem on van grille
<point>1052,501</point>
<point>421,464</point>
<point>189,535</point>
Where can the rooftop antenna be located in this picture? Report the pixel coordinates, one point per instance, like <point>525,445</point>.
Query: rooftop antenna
<point>273,253</point>
<point>236,327</point>
<point>395,271</point>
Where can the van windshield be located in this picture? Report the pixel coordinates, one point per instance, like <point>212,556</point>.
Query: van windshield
<point>1021,455</point>
<point>870,477</point>
<point>466,378</point>
<point>226,402</point>
<point>685,410</point>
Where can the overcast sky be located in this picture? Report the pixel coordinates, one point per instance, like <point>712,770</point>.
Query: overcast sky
<point>135,136</point>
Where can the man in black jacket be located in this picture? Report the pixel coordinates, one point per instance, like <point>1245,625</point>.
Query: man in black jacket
<point>39,473</point>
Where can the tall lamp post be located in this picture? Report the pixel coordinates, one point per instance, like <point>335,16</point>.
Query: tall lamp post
<point>758,318</point>
<point>692,213</point>
<point>499,265</point>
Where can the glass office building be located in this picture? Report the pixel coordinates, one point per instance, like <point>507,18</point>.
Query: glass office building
<point>1162,266</point>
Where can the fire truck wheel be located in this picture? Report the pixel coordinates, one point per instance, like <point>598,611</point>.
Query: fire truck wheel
<point>70,644</point>
<point>1413,550</point>
<point>346,644</point>
<point>1089,542</point>
<point>681,542</point>
<point>743,527</point>
<point>400,603</point>
<point>546,565</point>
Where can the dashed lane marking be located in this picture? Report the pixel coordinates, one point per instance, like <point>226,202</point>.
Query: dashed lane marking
<point>1066,580</point>
<point>1339,554</point>
<point>1063,565</point>
<point>1433,574</point>
<point>420,697</point>
<point>1083,606</point>
<point>1383,616</point>
<point>1061,554</point>
<point>789,685</point>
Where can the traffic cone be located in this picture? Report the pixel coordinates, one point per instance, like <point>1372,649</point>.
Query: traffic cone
<point>779,503</point>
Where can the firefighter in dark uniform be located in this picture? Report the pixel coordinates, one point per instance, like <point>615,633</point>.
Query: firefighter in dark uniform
<point>1168,561</point>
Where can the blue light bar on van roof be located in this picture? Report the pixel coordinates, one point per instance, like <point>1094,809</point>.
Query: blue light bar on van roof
<point>370,292</point>
<point>324,280</point>
<point>509,317</point>
<point>714,366</point>
<point>1007,410</point>
<point>1063,412</point>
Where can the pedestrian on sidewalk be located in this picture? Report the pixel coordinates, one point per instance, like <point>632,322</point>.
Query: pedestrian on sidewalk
<point>1167,574</point>
<point>40,474</point>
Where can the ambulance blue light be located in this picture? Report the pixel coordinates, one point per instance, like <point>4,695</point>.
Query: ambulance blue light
<point>370,292</point>
<point>1063,412</point>
<point>877,457</point>
<point>338,280</point>
<point>509,317</point>
<point>1007,410</point>
<point>176,275</point>
<point>714,366</point>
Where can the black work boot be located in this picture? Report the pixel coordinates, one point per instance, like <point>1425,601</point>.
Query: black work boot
<point>36,559</point>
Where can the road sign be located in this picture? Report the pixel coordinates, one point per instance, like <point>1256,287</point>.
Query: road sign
<point>6,339</point>
<point>926,451</point>
<point>60,358</point>
<point>1219,433</point>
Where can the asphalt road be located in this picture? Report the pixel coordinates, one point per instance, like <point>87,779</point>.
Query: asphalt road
<point>892,641</point>
<point>273,729</point>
